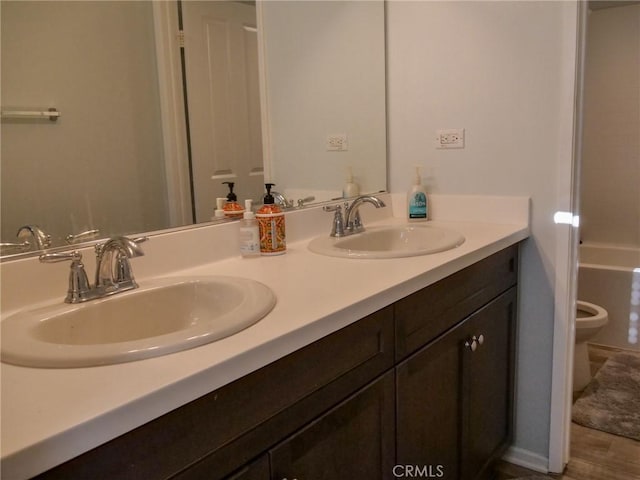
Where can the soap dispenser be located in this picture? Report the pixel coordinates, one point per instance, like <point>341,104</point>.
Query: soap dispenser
<point>249,232</point>
<point>350,189</point>
<point>417,203</point>
<point>219,212</point>
<point>232,208</point>
<point>271,225</point>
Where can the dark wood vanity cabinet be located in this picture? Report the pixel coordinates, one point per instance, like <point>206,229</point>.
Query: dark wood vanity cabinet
<point>454,396</point>
<point>422,386</point>
<point>354,440</point>
<point>454,380</point>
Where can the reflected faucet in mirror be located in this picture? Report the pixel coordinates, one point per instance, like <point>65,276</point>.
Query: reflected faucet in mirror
<point>30,237</point>
<point>281,200</point>
<point>35,236</point>
<point>113,270</point>
<point>82,236</point>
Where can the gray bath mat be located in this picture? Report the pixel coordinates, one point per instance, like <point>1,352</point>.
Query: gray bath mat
<point>611,402</point>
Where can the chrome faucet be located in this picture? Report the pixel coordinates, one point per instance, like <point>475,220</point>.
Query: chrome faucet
<point>280,200</point>
<point>113,271</point>
<point>351,223</point>
<point>35,236</point>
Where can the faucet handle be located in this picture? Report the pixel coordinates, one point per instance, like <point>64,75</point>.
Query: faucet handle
<point>302,201</point>
<point>130,246</point>
<point>15,247</point>
<point>79,287</point>
<point>140,240</point>
<point>78,237</point>
<point>337,227</point>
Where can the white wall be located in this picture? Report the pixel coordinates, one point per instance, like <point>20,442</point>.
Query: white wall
<point>101,164</point>
<point>611,162</point>
<point>504,71</point>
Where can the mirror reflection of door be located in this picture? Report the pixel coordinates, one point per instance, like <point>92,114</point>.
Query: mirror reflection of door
<point>222,83</point>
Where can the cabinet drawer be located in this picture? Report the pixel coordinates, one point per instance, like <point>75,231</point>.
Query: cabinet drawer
<point>424,315</point>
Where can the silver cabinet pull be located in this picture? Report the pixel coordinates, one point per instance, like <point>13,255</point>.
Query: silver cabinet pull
<point>474,342</point>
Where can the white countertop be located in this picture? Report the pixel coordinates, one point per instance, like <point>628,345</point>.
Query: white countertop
<point>52,415</point>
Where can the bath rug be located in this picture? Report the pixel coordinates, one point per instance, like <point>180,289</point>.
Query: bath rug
<point>611,402</point>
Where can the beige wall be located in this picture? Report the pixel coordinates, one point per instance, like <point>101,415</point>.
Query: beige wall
<point>611,161</point>
<point>101,164</point>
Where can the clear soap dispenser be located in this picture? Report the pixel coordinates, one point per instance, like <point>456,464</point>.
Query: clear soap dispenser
<point>249,232</point>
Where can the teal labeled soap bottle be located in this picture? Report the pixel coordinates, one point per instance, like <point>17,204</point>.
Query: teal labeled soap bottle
<point>417,201</point>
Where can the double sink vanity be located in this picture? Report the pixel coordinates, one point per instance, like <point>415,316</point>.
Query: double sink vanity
<point>348,357</point>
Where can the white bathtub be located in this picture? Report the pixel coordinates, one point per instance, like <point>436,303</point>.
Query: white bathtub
<point>610,276</point>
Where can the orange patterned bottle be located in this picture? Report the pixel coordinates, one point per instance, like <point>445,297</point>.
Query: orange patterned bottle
<point>271,225</point>
<point>232,208</point>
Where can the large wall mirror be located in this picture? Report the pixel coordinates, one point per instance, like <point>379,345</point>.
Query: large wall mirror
<point>153,121</point>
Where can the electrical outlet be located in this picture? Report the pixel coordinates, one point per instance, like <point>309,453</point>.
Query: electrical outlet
<point>450,138</point>
<point>337,142</point>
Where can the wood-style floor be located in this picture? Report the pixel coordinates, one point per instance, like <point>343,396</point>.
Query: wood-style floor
<point>595,455</point>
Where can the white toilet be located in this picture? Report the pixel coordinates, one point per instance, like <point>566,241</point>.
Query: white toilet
<point>590,319</point>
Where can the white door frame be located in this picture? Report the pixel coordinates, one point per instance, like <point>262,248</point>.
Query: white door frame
<point>567,241</point>
<point>174,131</point>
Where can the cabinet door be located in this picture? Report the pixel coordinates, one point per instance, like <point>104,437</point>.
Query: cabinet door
<point>488,383</point>
<point>428,407</point>
<point>354,440</point>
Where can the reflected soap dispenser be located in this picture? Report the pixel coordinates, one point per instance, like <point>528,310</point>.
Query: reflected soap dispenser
<point>351,189</point>
<point>271,225</point>
<point>417,202</point>
<point>232,208</point>
<point>219,212</point>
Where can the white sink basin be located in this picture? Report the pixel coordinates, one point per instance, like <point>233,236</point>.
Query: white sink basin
<point>162,316</point>
<point>395,241</point>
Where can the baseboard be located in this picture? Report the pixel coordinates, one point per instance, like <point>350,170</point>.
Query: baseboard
<point>526,459</point>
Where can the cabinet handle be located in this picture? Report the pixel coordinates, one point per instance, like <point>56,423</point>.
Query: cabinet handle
<point>471,344</point>
<point>474,342</point>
